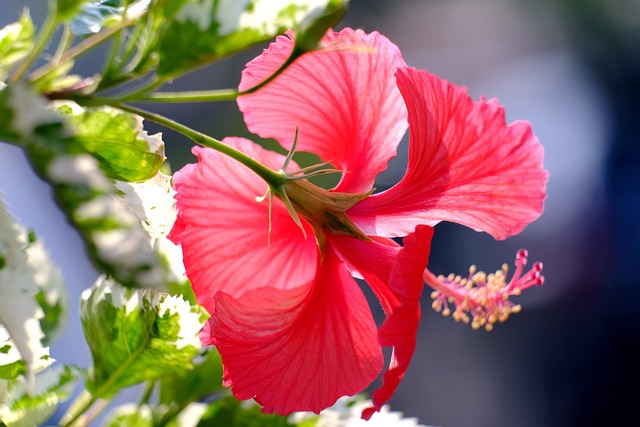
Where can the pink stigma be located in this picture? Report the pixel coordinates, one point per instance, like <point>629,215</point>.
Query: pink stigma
<point>480,298</point>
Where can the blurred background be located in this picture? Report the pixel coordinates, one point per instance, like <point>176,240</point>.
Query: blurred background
<point>571,68</point>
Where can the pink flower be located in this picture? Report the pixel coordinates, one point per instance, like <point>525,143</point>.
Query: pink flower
<point>292,325</point>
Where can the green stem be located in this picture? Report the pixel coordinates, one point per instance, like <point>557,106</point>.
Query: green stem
<point>96,410</point>
<point>192,96</point>
<point>86,400</point>
<point>80,48</point>
<point>271,177</point>
<point>65,42</point>
<point>213,95</point>
<point>79,406</point>
<point>48,28</point>
<point>110,63</point>
<point>146,394</point>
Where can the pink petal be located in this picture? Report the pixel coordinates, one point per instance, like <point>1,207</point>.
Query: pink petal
<point>298,349</point>
<point>465,165</point>
<point>395,275</point>
<point>373,261</point>
<point>343,99</point>
<point>401,328</point>
<point>223,230</point>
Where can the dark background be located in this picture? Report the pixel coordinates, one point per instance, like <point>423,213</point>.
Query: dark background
<point>570,67</point>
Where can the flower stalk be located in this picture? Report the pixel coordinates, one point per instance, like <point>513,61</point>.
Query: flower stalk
<point>271,177</point>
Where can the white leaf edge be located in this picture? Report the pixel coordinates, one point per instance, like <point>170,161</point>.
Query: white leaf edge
<point>189,319</point>
<point>25,273</point>
<point>347,411</point>
<point>45,383</point>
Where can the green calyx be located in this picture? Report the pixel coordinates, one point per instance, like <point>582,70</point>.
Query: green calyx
<point>326,211</point>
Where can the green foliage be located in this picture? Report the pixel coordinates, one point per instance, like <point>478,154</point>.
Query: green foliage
<point>230,412</point>
<point>190,386</point>
<point>115,238</point>
<point>309,35</point>
<point>16,40</point>
<point>137,335</point>
<point>116,139</point>
<point>66,9</point>
<point>130,416</point>
<point>201,31</point>
<point>18,408</point>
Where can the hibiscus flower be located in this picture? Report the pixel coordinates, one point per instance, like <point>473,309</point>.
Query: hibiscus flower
<point>293,327</point>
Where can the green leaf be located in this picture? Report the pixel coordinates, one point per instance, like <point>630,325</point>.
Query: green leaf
<point>117,140</point>
<point>68,8</point>
<point>115,238</point>
<point>137,335</point>
<point>94,15</point>
<point>16,40</point>
<point>52,387</point>
<point>195,384</point>
<point>314,28</point>
<point>130,415</point>
<point>231,412</point>
<point>201,31</point>
<point>33,300</point>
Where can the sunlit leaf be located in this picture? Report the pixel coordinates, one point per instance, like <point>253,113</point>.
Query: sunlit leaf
<point>53,386</point>
<point>130,415</point>
<point>16,40</point>
<point>201,31</point>
<point>66,9</point>
<point>32,300</point>
<point>118,141</point>
<point>115,238</point>
<point>137,335</point>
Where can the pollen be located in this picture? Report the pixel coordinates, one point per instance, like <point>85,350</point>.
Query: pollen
<point>483,299</point>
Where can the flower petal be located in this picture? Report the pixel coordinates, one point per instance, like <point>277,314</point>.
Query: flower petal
<point>224,231</point>
<point>342,99</point>
<point>401,328</point>
<point>299,349</point>
<point>395,276</point>
<point>465,165</point>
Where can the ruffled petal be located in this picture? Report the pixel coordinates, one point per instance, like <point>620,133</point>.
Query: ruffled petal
<point>395,276</point>
<point>401,328</point>
<point>466,165</point>
<point>299,349</point>
<point>224,231</point>
<point>343,99</point>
